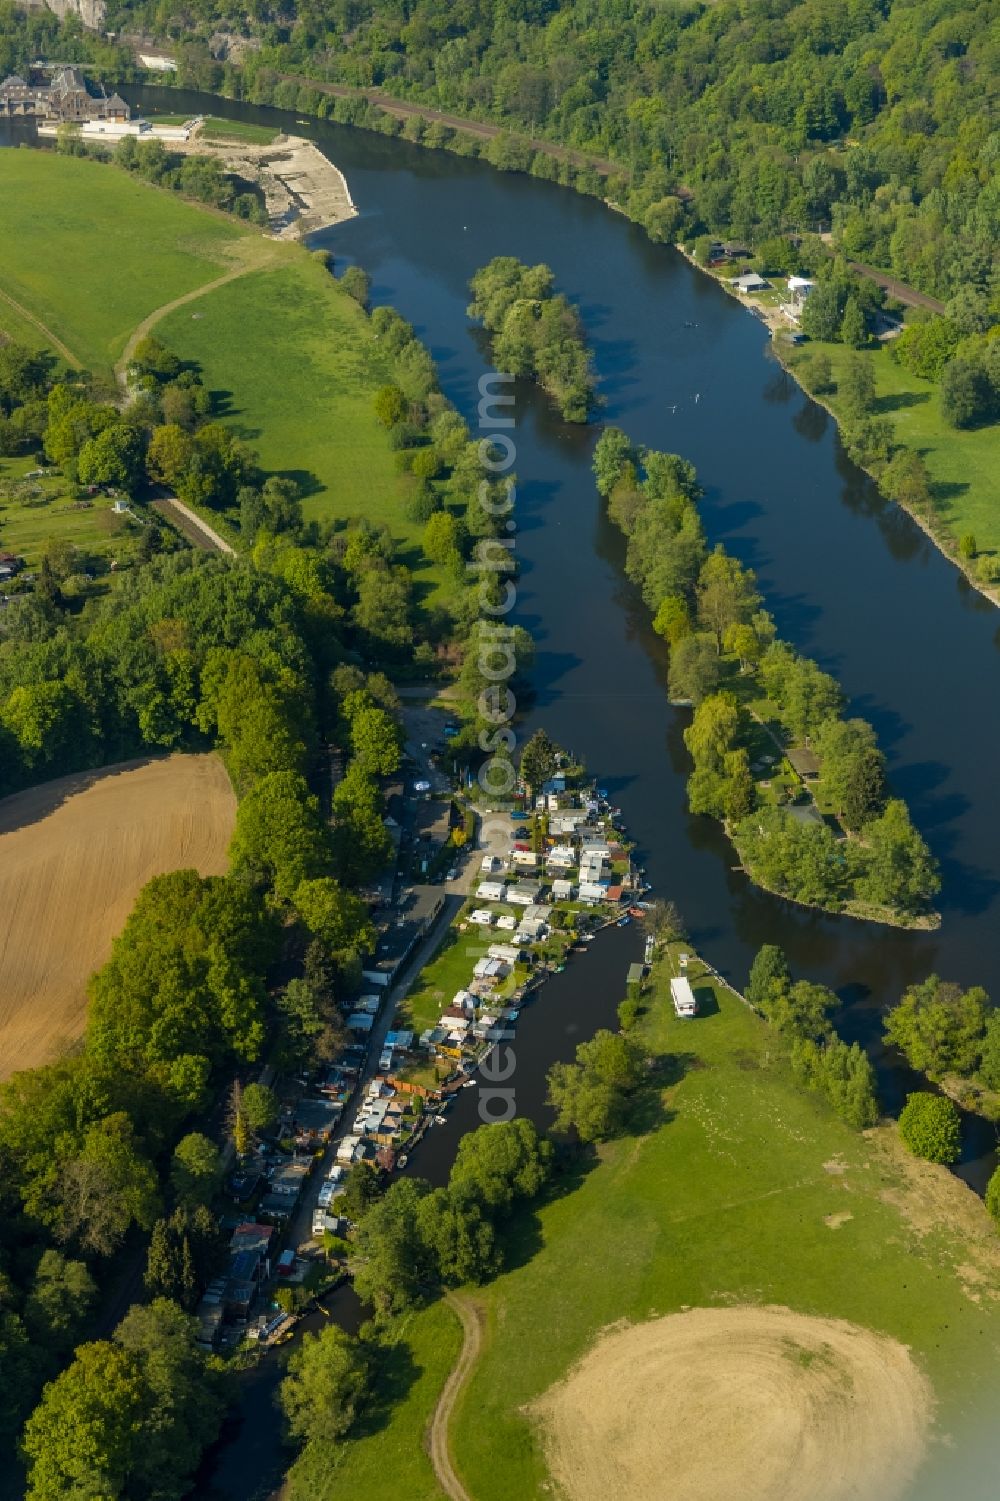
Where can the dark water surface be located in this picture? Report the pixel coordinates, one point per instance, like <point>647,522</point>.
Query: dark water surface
<point>849,578</point>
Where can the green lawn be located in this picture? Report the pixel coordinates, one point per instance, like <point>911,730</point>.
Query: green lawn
<point>217,129</point>
<point>19,328</point>
<point>34,512</point>
<point>448,972</point>
<point>727,1202</point>
<point>90,251</point>
<point>295,366</point>
<point>386,1455</point>
<point>963,465</point>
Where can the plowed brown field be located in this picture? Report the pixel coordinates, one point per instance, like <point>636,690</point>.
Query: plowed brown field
<point>73,855</point>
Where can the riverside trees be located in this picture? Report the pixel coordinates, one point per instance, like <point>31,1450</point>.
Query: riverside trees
<point>536,332</point>
<point>821,1060</point>
<point>950,1034</point>
<point>725,660</point>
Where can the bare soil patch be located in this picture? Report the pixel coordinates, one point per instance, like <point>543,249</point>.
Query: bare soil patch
<point>73,855</point>
<point>760,1403</point>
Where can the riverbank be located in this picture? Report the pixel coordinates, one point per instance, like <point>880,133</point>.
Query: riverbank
<point>788,351</point>
<point>303,190</point>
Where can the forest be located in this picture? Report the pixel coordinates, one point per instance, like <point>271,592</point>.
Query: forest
<point>871,120</point>
<point>260,658</point>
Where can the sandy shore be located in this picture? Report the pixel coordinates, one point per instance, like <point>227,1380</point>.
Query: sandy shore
<point>303,190</point>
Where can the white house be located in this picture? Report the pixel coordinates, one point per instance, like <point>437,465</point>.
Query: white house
<point>464,999</point>
<point>526,859</point>
<point>492,891</point>
<point>562,891</point>
<point>591,892</point>
<point>532,930</point>
<point>482,916</point>
<point>561,857</point>
<point>683,996</point>
<point>507,953</point>
<point>491,864</point>
<point>507,921</point>
<point>799,288</point>
<point>750,281</point>
<point>491,969</point>
<point>568,821</point>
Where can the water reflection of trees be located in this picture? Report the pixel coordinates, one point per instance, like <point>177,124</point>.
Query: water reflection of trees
<point>811,421</point>
<point>862,496</point>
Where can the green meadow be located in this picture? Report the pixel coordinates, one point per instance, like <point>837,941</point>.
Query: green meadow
<point>386,1454</point>
<point>294,368</point>
<point>742,1188</point>
<point>963,465</point>
<point>90,251</point>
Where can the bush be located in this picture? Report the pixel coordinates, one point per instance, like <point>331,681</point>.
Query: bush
<point>930,1126</point>
<point>993,1197</point>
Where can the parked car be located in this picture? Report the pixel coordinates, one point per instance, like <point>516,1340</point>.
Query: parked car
<point>422,786</point>
<point>520,817</point>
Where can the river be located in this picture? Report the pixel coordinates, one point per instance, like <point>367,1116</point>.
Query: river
<point>850,579</point>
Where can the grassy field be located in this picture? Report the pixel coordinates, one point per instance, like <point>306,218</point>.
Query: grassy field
<point>750,1192</point>
<point>73,855</point>
<point>90,251</point>
<point>387,1455</point>
<point>963,465</point>
<point>216,128</point>
<point>745,1191</point>
<point>295,367</point>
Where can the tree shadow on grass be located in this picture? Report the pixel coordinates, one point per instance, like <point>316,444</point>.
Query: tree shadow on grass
<point>222,404</point>
<point>943,492</point>
<point>395,1374</point>
<point>900,401</point>
<point>307,482</point>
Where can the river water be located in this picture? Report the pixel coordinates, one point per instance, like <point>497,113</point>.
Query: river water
<point>850,579</point>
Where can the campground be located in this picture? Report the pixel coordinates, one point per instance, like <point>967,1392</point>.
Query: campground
<point>743,1190</point>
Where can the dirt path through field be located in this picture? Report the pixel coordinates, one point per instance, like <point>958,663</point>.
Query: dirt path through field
<point>471,1316</point>
<point>57,344</point>
<point>252,256</point>
<point>74,853</point>
<point>197,531</point>
<point>760,1403</point>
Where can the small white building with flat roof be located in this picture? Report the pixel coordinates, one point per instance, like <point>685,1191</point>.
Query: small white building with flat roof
<point>683,996</point>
